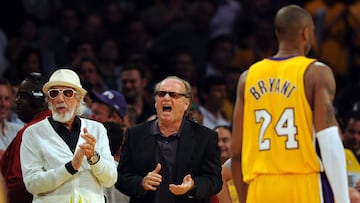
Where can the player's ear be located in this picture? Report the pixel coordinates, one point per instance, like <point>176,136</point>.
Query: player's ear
<point>306,33</point>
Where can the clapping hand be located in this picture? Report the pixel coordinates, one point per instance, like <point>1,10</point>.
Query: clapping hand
<point>86,149</point>
<point>89,146</point>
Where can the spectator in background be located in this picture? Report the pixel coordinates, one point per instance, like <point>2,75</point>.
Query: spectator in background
<point>346,100</point>
<point>195,94</point>
<point>12,116</point>
<point>225,16</point>
<point>150,71</point>
<point>352,133</point>
<point>43,10</point>
<point>133,86</point>
<point>194,114</point>
<point>109,62</point>
<point>253,31</point>
<point>221,50</point>
<point>92,27</point>
<point>72,162</point>
<point>114,19</point>
<point>137,38</point>
<point>190,33</point>
<point>110,109</point>
<point>353,173</point>
<point>224,141</point>
<point>67,29</point>
<point>80,48</point>
<point>27,35</point>
<point>29,60</point>
<point>228,192</point>
<point>232,75</point>
<point>90,75</point>
<point>349,136</point>
<point>8,130</point>
<point>212,97</point>
<point>170,159</point>
<point>158,16</point>
<point>182,64</point>
<point>31,108</point>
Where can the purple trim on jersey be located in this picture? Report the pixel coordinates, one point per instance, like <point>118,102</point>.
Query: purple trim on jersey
<point>327,192</point>
<point>280,58</point>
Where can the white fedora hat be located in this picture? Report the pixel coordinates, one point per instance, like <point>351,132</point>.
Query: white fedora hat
<point>64,77</point>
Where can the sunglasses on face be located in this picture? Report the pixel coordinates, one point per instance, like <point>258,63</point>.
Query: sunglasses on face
<point>53,93</point>
<point>174,95</point>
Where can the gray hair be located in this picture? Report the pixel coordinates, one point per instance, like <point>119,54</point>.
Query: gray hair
<point>188,91</point>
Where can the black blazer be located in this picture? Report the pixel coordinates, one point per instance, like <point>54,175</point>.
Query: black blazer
<point>198,154</point>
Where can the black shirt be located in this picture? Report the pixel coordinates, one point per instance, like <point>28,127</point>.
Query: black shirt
<point>167,145</point>
<point>166,155</point>
<point>70,138</point>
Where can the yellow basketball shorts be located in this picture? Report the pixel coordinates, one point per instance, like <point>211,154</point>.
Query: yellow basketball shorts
<point>294,188</point>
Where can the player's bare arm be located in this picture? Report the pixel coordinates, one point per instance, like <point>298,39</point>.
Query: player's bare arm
<point>241,187</point>
<point>320,89</point>
<point>320,82</point>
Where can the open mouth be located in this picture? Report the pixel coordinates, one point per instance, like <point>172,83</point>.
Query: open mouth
<point>167,108</point>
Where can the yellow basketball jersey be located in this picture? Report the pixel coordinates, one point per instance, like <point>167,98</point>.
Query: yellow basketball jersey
<point>278,135</point>
<point>352,164</point>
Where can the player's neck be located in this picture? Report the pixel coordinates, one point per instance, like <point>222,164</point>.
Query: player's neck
<point>287,53</point>
<point>288,50</point>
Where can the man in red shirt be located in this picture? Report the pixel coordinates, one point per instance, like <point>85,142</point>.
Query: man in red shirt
<point>31,107</point>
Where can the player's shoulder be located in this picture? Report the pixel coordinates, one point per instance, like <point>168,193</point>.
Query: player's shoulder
<point>243,77</point>
<point>319,67</point>
<point>318,71</point>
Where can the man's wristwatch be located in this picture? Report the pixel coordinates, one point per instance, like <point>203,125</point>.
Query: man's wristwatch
<point>94,158</point>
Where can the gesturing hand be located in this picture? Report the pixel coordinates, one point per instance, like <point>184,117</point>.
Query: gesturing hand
<point>152,179</point>
<point>89,146</point>
<point>186,185</point>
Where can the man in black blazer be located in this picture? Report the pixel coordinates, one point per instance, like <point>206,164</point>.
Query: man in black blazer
<point>170,159</point>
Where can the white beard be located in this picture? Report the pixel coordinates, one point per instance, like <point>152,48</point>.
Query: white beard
<point>62,117</point>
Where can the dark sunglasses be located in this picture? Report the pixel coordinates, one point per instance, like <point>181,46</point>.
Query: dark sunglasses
<point>174,95</point>
<point>53,93</point>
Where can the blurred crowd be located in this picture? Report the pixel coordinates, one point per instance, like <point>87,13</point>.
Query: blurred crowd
<point>187,38</point>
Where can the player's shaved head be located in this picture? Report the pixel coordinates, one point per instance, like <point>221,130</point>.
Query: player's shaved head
<point>290,21</point>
